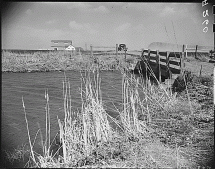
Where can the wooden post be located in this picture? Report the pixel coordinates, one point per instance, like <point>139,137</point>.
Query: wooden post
<point>91,51</point>
<point>186,51</point>
<point>117,50</point>
<point>169,73</point>
<point>86,46</point>
<point>142,54</point>
<point>158,65</point>
<point>143,58</point>
<point>196,51</point>
<point>200,72</point>
<point>147,63</point>
<point>182,60</point>
<point>148,58</point>
<point>141,61</point>
<point>125,54</point>
<point>146,69</point>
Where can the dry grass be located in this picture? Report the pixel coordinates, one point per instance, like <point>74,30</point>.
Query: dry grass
<point>81,135</point>
<point>57,61</point>
<point>17,154</point>
<point>199,64</point>
<point>157,129</point>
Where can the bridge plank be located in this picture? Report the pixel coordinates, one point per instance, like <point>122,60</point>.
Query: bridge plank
<point>178,63</point>
<point>163,53</point>
<point>153,52</point>
<point>175,54</point>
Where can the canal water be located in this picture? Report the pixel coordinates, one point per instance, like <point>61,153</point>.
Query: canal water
<point>32,87</point>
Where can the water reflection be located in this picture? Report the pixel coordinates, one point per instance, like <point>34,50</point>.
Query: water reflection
<point>32,87</point>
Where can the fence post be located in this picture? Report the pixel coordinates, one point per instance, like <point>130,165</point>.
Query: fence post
<point>91,51</point>
<point>116,50</point>
<point>200,72</point>
<point>148,59</point>
<point>186,51</point>
<point>158,65</point>
<point>142,54</point>
<point>147,63</point>
<point>182,60</point>
<point>169,73</point>
<point>142,58</point>
<point>125,54</point>
<point>146,66</point>
<point>196,51</point>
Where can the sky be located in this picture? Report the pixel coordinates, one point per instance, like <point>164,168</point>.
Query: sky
<point>32,25</point>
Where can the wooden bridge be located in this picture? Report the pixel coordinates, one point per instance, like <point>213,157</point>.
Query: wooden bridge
<point>162,64</point>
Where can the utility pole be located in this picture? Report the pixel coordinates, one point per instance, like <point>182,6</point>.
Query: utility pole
<point>91,51</point>
<point>196,51</point>
<point>182,60</point>
<point>86,46</point>
<point>116,50</point>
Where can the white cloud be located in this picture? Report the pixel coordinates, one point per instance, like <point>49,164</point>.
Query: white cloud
<point>122,27</point>
<point>25,34</point>
<point>35,32</point>
<point>167,11</point>
<point>89,29</point>
<point>141,6</point>
<point>115,3</point>
<point>29,12</point>
<point>139,26</point>
<point>53,34</point>
<point>84,28</point>
<point>55,3</point>
<point>80,5</point>
<point>88,7</point>
<point>101,9</point>
<point>126,5</point>
<point>51,21</point>
<point>75,25</point>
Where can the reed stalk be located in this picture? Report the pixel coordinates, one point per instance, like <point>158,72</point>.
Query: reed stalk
<point>29,137</point>
<point>132,108</point>
<point>83,133</point>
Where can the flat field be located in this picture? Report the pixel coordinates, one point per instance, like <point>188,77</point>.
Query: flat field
<point>59,61</point>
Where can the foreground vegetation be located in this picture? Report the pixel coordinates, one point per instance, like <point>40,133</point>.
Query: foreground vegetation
<point>156,128</point>
<point>58,61</point>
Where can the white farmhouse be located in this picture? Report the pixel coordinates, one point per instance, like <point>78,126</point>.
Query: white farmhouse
<point>71,48</point>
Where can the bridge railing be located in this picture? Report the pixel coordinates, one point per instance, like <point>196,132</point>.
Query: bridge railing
<point>164,63</point>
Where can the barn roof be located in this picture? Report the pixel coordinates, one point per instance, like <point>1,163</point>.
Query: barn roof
<point>61,41</point>
<point>70,47</point>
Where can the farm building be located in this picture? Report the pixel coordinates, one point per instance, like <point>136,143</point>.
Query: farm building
<point>79,49</point>
<point>70,47</point>
<point>62,45</point>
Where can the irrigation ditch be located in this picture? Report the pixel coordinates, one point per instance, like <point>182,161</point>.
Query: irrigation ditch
<point>166,128</point>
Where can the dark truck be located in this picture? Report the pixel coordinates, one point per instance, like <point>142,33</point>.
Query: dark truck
<point>122,47</point>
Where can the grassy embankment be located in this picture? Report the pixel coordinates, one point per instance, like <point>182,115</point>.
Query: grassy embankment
<point>158,130</point>
<point>57,61</point>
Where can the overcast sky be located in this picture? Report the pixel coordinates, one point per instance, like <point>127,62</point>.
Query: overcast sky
<point>32,25</point>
